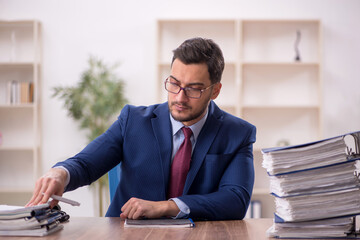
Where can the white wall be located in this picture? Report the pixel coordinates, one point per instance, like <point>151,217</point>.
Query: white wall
<point>125,31</point>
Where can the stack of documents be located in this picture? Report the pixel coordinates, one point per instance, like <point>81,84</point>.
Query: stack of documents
<point>335,227</point>
<point>316,187</point>
<point>30,221</point>
<point>302,157</point>
<point>315,180</point>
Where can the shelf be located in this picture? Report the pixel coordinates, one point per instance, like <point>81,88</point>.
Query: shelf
<point>17,106</point>
<point>284,64</point>
<point>17,23</point>
<point>274,41</point>
<point>274,125</point>
<point>16,189</point>
<point>276,21</point>
<point>261,191</point>
<point>16,77</point>
<point>168,63</point>
<point>284,107</point>
<point>16,64</point>
<point>15,148</point>
<point>171,33</point>
<point>277,85</point>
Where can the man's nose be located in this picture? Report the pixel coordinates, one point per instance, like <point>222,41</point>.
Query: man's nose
<point>181,96</point>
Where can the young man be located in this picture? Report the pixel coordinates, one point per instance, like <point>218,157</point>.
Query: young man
<point>217,174</point>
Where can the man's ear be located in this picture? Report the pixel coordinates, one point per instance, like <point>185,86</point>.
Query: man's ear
<point>216,91</point>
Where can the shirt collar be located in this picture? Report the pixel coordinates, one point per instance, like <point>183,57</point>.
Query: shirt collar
<point>195,128</point>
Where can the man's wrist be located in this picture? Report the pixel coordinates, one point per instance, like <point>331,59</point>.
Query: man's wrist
<point>172,209</point>
<point>184,209</point>
<point>66,175</point>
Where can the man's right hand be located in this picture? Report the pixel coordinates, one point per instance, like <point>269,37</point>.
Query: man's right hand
<point>53,182</point>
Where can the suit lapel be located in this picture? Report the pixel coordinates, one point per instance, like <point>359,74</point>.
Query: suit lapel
<point>203,143</point>
<point>163,133</point>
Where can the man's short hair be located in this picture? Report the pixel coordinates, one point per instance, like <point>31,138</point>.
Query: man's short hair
<point>202,50</point>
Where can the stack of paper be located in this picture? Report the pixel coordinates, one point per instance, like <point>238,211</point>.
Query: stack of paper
<point>315,180</point>
<point>30,221</point>
<point>306,156</point>
<point>335,227</point>
<point>315,187</point>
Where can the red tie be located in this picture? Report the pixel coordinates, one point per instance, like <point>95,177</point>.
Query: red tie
<point>180,166</point>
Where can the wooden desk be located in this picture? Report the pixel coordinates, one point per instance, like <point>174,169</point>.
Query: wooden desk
<point>113,228</point>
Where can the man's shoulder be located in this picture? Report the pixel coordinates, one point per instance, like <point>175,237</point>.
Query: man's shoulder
<point>230,119</point>
<point>145,111</point>
<point>236,127</point>
<point>236,120</point>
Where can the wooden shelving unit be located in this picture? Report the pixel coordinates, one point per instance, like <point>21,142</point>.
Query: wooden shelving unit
<point>20,62</point>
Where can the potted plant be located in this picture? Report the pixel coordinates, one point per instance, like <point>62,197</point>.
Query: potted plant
<point>95,101</point>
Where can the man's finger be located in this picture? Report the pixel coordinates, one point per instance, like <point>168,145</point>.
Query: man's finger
<point>38,197</point>
<point>35,193</point>
<point>53,203</point>
<point>138,214</point>
<point>45,196</point>
<point>131,212</point>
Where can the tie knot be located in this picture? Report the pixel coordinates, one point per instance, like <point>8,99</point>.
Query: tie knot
<point>187,132</point>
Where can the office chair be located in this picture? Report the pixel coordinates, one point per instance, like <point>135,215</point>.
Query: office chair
<point>114,178</point>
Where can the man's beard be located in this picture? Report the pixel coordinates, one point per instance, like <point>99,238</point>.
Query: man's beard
<point>189,117</point>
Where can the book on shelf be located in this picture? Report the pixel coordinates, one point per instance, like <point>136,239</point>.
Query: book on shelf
<point>31,92</point>
<point>160,223</point>
<point>38,220</point>
<point>316,187</point>
<point>20,92</point>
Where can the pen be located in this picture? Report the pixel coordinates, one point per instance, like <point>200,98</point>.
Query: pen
<point>65,200</point>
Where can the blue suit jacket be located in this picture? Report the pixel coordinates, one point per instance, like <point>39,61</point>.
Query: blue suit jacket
<point>221,176</point>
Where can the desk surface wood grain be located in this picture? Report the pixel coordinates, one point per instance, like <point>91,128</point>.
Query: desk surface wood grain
<point>113,228</point>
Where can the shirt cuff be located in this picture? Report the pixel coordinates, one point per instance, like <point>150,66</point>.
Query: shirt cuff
<point>184,209</point>
<point>67,175</point>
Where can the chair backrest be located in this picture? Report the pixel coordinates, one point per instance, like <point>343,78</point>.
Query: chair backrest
<point>114,178</point>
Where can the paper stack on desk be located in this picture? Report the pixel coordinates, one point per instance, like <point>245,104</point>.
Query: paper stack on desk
<point>30,221</point>
<point>316,187</point>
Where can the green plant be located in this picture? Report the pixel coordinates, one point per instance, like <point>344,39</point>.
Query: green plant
<point>94,102</point>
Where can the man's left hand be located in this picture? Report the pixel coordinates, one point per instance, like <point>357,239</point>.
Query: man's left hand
<point>137,208</point>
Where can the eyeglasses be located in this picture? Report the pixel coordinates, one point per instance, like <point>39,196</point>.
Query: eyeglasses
<point>189,91</point>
